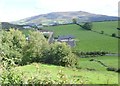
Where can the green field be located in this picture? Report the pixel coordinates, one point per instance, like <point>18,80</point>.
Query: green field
<point>98,76</point>
<point>88,72</point>
<point>107,27</point>
<point>110,61</point>
<point>90,41</point>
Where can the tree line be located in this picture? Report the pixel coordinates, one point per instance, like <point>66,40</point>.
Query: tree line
<point>86,25</point>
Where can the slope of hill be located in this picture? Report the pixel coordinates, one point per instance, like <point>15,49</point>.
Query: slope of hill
<point>87,40</point>
<point>65,17</point>
<point>6,26</point>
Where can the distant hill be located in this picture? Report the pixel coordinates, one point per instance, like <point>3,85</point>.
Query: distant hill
<point>65,17</point>
<point>6,26</point>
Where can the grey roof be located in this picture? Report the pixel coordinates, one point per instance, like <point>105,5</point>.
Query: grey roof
<point>66,37</point>
<point>45,30</point>
<point>71,43</point>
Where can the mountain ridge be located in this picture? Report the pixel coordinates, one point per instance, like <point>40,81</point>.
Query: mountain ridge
<point>65,17</point>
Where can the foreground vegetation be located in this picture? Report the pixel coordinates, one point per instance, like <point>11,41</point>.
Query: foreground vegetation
<point>88,73</point>
<point>32,60</point>
<point>20,50</point>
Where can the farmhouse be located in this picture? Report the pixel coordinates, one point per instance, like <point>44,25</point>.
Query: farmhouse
<point>45,31</point>
<point>69,39</point>
<point>49,34</point>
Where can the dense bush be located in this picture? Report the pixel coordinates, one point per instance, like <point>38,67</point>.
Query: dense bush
<point>10,77</point>
<point>60,54</point>
<point>87,26</point>
<point>102,32</point>
<point>17,49</point>
<point>113,35</point>
<point>12,44</point>
<point>36,45</point>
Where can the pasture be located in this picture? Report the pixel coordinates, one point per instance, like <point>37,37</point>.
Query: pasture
<point>98,76</point>
<point>108,27</point>
<point>88,72</point>
<point>87,40</point>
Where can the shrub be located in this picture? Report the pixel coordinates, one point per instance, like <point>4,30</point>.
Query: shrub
<point>17,49</point>
<point>9,77</point>
<point>60,54</point>
<point>102,32</point>
<point>35,47</point>
<point>87,26</point>
<point>113,35</point>
<point>12,44</point>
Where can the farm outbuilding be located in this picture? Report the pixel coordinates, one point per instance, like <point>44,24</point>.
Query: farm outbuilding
<point>69,39</point>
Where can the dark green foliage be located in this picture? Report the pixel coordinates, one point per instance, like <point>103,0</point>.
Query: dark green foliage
<point>102,32</point>
<point>118,28</point>
<point>6,26</point>
<point>87,26</point>
<point>104,65</point>
<point>113,35</point>
<point>90,54</point>
<point>46,36</point>
<point>60,54</point>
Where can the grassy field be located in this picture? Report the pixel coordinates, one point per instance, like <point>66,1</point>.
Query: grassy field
<point>87,40</point>
<point>108,27</point>
<point>110,61</point>
<point>98,76</point>
<point>88,72</point>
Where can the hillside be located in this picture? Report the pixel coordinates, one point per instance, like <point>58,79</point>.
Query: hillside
<point>6,26</point>
<point>88,70</point>
<point>90,41</point>
<point>65,17</point>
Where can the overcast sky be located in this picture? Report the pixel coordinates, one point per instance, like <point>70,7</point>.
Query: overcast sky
<point>12,10</point>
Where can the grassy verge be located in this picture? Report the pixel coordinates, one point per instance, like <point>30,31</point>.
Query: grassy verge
<point>85,76</point>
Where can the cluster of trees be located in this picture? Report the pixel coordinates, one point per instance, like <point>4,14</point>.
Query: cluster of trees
<point>60,54</point>
<point>86,25</point>
<point>16,48</point>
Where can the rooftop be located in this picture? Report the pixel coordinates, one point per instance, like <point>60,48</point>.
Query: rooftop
<point>66,37</point>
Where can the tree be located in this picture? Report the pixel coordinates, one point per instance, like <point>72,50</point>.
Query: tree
<point>36,46</point>
<point>60,54</point>
<point>74,21</point>
<point>118,28</point>
<point>102,32</point>
<point>87,26</point>
<point>13,42</point>
<point>113,35</point>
